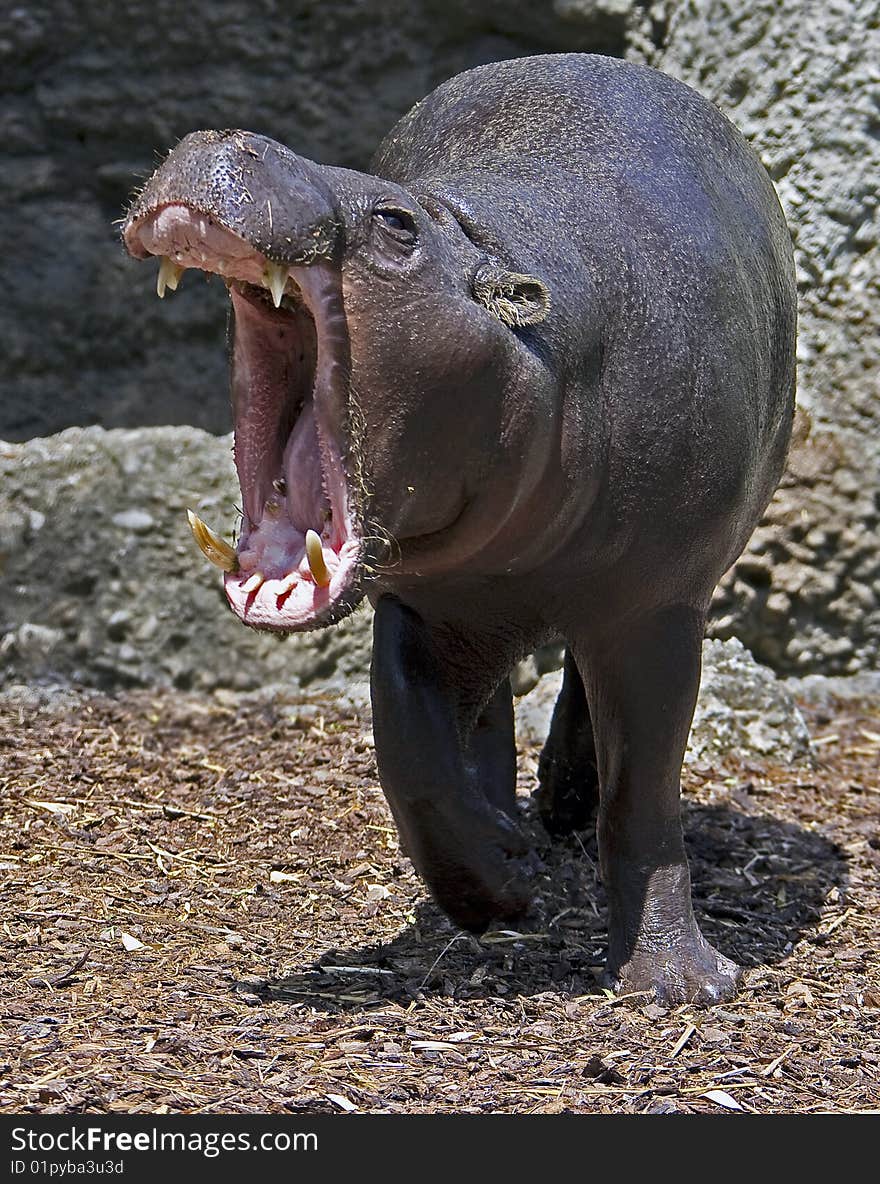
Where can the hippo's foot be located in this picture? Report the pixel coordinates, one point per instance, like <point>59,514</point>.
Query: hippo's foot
<point>691,971</point>
<point>567,795</point>
<point>473,864</point>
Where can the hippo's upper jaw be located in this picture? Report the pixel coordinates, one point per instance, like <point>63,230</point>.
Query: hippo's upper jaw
<point>299,557</point>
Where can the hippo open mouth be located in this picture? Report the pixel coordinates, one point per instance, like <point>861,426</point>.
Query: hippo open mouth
<point>298,561</point>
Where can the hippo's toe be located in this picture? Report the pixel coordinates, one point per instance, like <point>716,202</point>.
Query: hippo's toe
<point>693,972</point>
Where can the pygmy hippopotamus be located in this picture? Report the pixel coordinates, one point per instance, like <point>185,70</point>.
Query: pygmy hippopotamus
<point>531,377</point>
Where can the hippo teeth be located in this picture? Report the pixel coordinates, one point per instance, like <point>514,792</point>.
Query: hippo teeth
<point>215,549</point>
<point>253,582</point>
<point>275,279</point>
<point>315,556</point>
<point>168,277</point>
<point>297,563</point>
<point>219,552</point>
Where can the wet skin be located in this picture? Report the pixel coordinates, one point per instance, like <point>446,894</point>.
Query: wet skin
<point>532,376</point>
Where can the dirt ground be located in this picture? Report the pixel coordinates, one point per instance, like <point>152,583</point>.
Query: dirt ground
<point>204,909</point>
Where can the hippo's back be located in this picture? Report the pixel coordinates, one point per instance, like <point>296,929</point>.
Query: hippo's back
<point>516,115</point>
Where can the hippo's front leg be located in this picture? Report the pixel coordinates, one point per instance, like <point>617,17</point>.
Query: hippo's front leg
<point>642,683</point>
<point>449,785</point>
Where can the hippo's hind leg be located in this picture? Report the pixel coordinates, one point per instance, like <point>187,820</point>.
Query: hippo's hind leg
<point>450,782</point>
<point>568,784</point>
<point>490,751</point>
<point>642,683</point>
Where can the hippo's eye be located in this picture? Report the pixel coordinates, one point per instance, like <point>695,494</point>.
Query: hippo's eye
<point>398,225</point>
<point>392,221</point>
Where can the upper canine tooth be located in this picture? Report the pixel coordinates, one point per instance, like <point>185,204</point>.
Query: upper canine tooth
<point>275,279</point>
<point>168,277</point>
<point>315,555</point>
<point>211,545</point>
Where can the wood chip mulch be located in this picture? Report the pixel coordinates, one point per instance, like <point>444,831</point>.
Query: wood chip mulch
<point>204,908</point>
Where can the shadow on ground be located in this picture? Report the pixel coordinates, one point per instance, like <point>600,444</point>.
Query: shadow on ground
<point>759,885</point>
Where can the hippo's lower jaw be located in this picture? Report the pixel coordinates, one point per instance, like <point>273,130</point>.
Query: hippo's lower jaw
<point>299,558</point>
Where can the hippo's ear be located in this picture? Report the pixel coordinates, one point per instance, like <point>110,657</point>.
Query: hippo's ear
<point>515,299</point>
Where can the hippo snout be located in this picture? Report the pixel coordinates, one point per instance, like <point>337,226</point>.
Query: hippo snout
<point>249,185</point>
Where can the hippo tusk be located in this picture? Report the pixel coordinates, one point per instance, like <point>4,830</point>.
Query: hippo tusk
<point>211,545</point>
<point>315,554</point>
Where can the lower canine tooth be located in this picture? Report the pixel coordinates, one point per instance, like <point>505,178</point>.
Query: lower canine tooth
<point>315,554</point>
<point>252,583</point>
<point>168,277</point>
<point>287,584</point>
<point>211,545</point>
<point>275,279</point>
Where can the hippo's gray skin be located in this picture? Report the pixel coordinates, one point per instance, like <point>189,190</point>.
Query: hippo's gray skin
<point>533,378</point>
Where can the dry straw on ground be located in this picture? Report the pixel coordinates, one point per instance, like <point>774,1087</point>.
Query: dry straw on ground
<point>204,908</point>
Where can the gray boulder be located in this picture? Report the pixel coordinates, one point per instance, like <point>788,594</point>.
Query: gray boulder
<point>742,710</point>
<point>101,582</point>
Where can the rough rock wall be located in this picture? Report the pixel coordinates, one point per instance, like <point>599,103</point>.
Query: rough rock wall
<point>802,81</point>
<point>91,96</point>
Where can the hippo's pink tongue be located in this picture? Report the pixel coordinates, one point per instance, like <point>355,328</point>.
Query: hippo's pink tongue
<point>307,501</point>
